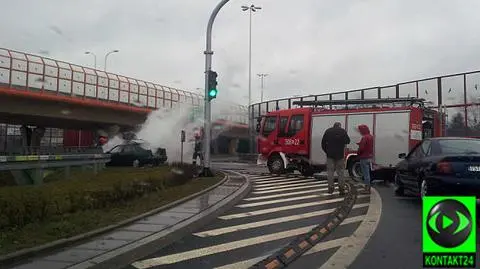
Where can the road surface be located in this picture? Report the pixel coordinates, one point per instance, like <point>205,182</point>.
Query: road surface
<point>276,211</point>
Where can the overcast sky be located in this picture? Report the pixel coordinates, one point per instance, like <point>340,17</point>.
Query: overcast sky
<point>306,46</point>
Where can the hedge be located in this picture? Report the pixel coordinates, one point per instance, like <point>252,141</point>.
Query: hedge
<point>21,205</point>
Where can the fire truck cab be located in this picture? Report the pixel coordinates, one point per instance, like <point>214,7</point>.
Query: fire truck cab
<point>290,139</point>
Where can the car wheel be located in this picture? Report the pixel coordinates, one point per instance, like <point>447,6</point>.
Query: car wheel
<point>398,185</point>
<point>355,171</point>
<point>275,165</point>
<point>136,163</point>
<point>424,189</point>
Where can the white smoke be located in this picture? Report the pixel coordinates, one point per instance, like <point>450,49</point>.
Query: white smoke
<point>163,127</point>
<point>112,142</point>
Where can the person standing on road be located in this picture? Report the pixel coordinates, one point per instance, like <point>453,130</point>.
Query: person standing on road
<point>365,154</point>
<point>198,147</point>
<point>333,144</point>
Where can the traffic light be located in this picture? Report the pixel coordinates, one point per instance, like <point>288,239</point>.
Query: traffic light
<point>212,85</point>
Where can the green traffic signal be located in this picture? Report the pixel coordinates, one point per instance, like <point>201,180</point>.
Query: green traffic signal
<point>212,93</point>
<point>212,85</point>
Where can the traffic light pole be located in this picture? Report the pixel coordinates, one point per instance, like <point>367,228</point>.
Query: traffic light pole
<point>208,67</point>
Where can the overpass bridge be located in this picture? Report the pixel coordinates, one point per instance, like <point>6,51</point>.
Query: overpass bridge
<point>44,92</point>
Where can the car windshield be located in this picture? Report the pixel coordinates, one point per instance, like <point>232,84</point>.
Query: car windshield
<point>460,146</point>
<point>144,146</point>
<point>116,149</point>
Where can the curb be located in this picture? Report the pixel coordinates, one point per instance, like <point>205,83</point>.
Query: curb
<point>303,243</point>
<point>346,255</point>
<point>61,243</point>
<point>126,255</point>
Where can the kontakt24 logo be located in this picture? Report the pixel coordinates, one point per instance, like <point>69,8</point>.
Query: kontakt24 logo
<point>449,232</point>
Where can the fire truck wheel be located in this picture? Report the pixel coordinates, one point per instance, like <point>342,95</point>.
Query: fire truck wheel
<point>354,170</point>
<point>399,190</point>
<point>275,165</point>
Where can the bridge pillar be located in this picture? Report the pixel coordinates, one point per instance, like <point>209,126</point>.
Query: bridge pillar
<point>31,138</point>
<point>36,138</point>
<point>26,134</point>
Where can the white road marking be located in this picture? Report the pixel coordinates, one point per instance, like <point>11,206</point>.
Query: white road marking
<point>335,243</point>
<point>275,180</point>
<point>326,245</point>
<point>260,178</point>
<point>282,208</point>
<point>292,185</point>
<point>278,201</point>
<point>284,183</point>
<point>289,188</point>
<point>281,195</point>
<point>245,226</point>
<point>345,256</point>
<point>197,253</point>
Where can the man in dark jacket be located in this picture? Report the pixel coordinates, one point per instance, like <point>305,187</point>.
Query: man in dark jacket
<point>333,143</point>
<point>365,154</point>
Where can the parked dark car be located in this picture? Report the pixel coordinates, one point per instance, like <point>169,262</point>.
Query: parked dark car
<point>440,166</point>
<point>136,153</point>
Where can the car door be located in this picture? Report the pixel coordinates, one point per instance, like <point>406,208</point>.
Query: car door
<point>142,154</point>
<point>128,155</point>
<point>416,164</point>
<point>115,155</point>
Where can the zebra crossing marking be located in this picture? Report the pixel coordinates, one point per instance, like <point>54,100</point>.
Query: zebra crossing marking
<point>271,190</point>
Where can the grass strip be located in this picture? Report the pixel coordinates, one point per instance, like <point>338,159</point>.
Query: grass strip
<point>79,222</point>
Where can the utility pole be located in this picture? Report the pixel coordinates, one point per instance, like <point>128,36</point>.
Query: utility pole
<point>262,77</point>
<point>208,68</point>
<point>252,8</point>
<point>94,59</point>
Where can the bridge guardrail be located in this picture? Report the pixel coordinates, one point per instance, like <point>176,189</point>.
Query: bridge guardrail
<point>24,162</point>
<point>51,150</point>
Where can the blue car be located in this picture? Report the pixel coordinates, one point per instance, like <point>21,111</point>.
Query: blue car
<point>440,166</point>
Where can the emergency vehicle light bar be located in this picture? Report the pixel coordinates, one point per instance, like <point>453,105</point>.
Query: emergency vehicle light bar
<point>412,100</point>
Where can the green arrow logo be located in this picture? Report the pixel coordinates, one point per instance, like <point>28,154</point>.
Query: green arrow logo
<point>464,221</point>
<point>446,222</point>
<point>432,222</point>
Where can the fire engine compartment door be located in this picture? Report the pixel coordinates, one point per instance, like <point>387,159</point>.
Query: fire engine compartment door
<point>353,121</point>
<point>391,137</point>
<point>320,123</point>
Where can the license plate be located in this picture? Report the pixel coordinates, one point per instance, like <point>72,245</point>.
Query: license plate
<point>474,168</point>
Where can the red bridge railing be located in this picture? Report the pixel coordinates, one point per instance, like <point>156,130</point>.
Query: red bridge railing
<point>48,77</point>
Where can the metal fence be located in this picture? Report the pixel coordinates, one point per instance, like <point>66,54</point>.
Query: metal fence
<point>458,94</point>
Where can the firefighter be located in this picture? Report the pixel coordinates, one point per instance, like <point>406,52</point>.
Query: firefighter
<point>197,150</point>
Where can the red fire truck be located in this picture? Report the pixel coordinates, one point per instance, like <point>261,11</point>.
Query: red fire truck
<point>290,139</point>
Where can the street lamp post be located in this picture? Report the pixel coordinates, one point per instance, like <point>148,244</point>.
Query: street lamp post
<point>251,8</point>
<point>94,59</point>
<point>208,67</point>
<point>262,77</point>
<point>106,56</point>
